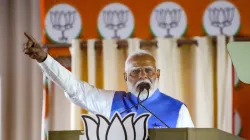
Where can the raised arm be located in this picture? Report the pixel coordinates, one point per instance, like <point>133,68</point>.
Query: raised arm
<point>79,92</point>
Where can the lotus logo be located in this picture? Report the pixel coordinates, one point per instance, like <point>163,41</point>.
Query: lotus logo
<point>168,19</point>
<point>127,128</point>
<point>115,20</point>
<point>62,21</point>
<point>221,17</point>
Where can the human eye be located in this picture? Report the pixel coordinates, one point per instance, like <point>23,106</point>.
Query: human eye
<point>149,70</point>
<point>135,72</point>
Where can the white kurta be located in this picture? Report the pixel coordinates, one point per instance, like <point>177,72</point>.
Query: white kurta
<point>97,101</point>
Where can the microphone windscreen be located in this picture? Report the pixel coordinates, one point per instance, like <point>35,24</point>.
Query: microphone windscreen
<point>143,86</point>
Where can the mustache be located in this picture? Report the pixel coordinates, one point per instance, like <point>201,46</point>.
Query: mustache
<point>145,81</point>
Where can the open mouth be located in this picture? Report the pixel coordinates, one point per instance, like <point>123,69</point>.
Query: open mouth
<point>143,85</point>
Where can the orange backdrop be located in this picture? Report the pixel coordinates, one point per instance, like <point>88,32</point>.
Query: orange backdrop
<point>89,10</point>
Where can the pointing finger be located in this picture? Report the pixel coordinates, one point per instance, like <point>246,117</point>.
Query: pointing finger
<point>27,36</point>
<point>30,37</point>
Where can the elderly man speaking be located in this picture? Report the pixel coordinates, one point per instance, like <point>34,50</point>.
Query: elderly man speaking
<point>141,77</point>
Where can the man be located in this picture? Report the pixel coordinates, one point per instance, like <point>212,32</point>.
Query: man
<point>141,77</point>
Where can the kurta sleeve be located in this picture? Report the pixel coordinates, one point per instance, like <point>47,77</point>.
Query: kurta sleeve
<point>184,119</point>
<point>81,93</point>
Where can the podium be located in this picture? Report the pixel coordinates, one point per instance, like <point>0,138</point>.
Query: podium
<point>160,134</point>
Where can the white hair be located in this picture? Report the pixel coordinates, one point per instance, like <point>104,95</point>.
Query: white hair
<point>137,53</point>
<point>133,88</point>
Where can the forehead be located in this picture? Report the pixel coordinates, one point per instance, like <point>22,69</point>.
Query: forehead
<point>141,61</point>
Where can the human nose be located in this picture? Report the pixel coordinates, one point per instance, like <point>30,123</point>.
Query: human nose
<point>142,74</point>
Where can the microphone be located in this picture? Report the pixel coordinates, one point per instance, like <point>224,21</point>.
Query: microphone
<point>146,86</point>
<point>141,88</point>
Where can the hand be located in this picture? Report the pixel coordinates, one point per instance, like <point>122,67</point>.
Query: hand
<point>33,49</point>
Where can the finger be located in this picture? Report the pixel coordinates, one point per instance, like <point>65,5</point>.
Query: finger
<point>27,51</point>
<point>29,44</point>
<point>37,45</point>
<point>31,50</point>
<point>29,37</point>
<point>34,55</point>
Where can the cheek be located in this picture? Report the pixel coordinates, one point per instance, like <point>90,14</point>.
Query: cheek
<point>153,78</point>
<point>132,80</point>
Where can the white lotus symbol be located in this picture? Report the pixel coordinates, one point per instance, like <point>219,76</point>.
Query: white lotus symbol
<point>116,129</point>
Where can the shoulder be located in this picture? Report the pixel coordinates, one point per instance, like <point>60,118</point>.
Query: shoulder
<point>184,119</point>
<point>171,99</point>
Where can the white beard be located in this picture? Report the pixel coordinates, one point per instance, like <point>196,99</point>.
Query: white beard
<point>143,95</point>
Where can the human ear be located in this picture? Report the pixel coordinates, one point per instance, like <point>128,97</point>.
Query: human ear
<point>125,76</point>
<point>158,73</point>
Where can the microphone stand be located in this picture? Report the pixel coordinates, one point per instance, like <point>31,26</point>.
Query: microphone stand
<point>141,88</point>
<point>138,102</point>
<point>148,138</point>
<point>153,113</point>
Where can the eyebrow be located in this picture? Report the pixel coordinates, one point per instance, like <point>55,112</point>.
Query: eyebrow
<point>134,68</point>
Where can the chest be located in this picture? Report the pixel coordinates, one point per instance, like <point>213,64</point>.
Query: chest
<point>163,111</point>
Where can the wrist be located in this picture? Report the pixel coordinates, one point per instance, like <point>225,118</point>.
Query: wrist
<point>42,59</point>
